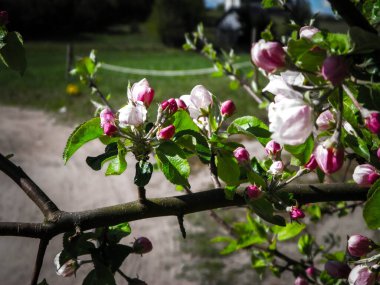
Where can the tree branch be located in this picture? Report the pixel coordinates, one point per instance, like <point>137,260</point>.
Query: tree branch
<point>39,260</point>
<point>43,202</point>
<point>351,15</point>
<point>172,206</point>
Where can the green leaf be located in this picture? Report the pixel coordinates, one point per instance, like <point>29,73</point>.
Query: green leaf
<point>302,52</point>
<point>373,189</point>
<point>270,4</point>
<point>116,233</point>
<point>96,162</point>
<point>250,126</point>
<point>301,153</point>
<point>195,143</point>
<point>116,254</point>
<point>74,246</point>
<point>84,133</point>
<point>305,244</point>
<point>173,163</point>
<point>256,179</point>
<point>183,121</point>
<point>13,53</point>
<point>291,230</point>
<point>335,42</point>
<point>264,209</point>
<point>228,168</point>
<point>118,165</point>
<point>371,211</point>
<point>144,170</point>
<point>100,276</point>
<point>357,144</point>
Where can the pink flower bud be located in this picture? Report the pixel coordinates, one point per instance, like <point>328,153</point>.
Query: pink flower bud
<point>295,213</point>
<point>325,121</point>
<point>132,114</point>
<point>253,192</point>
<point>4,18</point>
<point>106,116</point>
<point>242,155</point>
<point>201,97</point>
<point>300,281</point>
<point>68,268</point>
<point>358,245</point>
<point>109,129</point>
<point>310,271</point>
<point>378,153</point>
<point>166,133</point>
<point>141,91</point>
<point>307,32</point>
<point>272,148</point>
<point>276,168</point>
<point>362,275</point>
<point>335,69</point>
<point>337,269</point>
<point>330,159</point>
<point>365,174</point>
<point>142,245</point>
<point>372,122</point>
<point>170,106</point>
<point>312,163</point>
<point>268,55</point>
<point>227,108</point>
<point>181,104</point>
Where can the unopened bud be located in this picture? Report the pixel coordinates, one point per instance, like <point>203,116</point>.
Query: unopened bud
<point>325,121</point>
<point>276,168</point>
<point>109,129</point>
<point>166,133</point>
<point>378,153</point>
<point>337,269</point>
<point>253,192</point>
<point>68,268</point>
<point>310,271</point>
<point>181,104</point>
<point>312,163</point>
<point>300,281</point>
<point>329,158</point>
<point>372,122</point>
<point>170,106</point>
<point>365,174</point>
<point>142,245</point>
<point>272,148</point>
<point>335,69</point>
<point>358,245</point>
<point>269,56</point>
<point>295,213</point>
<point>362,275</point>
<point>141,91</point>
<point>227,108</point>
<point>307,32</point>
<point>241,155</point>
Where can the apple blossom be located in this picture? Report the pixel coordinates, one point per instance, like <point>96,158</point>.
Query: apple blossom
<point>132,114</point>
<point>273,148</point>
<point>253,192</point>
<point>276,168</point>
<point>372,122</point>
<point>68,268</point>
<point>312,163</point>
<point>335,69</point>
<point>142,245</point>
<point>365,174</point>
<point>325,121</point>
<point>307,32</point>
<point>358,245</point>
<point>329,158</point>
<point>337,269</point>
<point>107,121</point>
<point>269,56</point>
<point>141,91</point>
<point>166,133</point>
<point>300,281</point>
<point>310,271</point>
<point>290,121</point>
<point>227,108</point>
<point>362,275</point>
<point>201,97</point>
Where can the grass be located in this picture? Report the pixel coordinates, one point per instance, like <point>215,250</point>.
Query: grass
<point>43,85</point>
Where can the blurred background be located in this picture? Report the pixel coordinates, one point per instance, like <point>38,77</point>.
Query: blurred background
<point>39,110</point>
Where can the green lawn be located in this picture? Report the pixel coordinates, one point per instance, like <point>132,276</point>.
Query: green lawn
<point>43,85</point>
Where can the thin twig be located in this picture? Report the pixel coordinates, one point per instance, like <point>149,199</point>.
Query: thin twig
<point>39,260</point>
<point>181,226</point>
<point>95,87</point>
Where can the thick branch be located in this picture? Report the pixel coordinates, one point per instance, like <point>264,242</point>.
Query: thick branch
<point>173,206</point>
<point>347,10</point>
<point>47,206</point>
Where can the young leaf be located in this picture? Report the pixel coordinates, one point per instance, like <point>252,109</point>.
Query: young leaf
<point>144,170</point>
<point>101,276</point>
<point>173,163</point>
<point>13,53</point>
<point>291,230</point>
<point>301,153</point>
<point>97,162</point>
<point>250,126</point>
<point>264,209</point>
<point>228,168</point>
<point>183,121</point>
<point>118,165</point>
<point>305,244</point>
<point>116,233</point>
<point>371,211</point>
<point>116,254</point>
<point>84,133</point>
